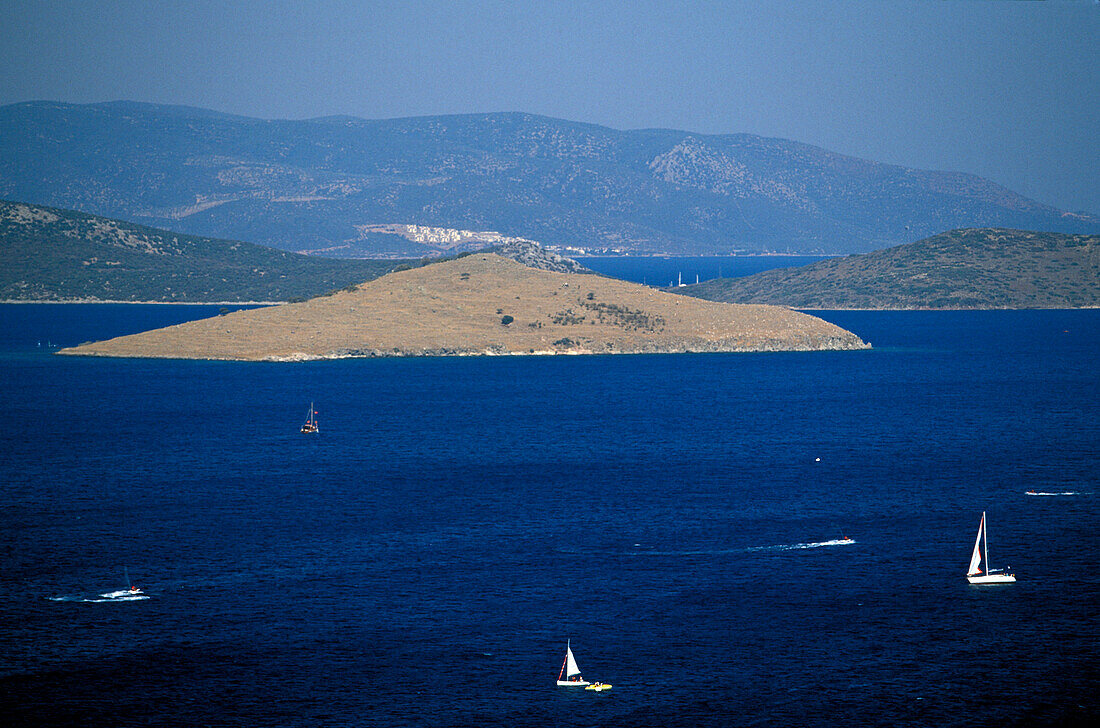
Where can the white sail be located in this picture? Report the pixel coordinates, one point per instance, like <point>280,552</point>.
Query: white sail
<point>976,557</point>
<point>570,671</point>
<point>981,554</point>
<point>571,668</point>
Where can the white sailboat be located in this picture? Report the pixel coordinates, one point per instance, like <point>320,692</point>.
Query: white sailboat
<point>310,427</point>
<point>570,671</point>
<point>129,591</point>
<point>991,576</point>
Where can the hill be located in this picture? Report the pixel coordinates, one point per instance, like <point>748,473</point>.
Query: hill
<point>331,185</point>
<point>483,304</point>
<point>49,254</point>
<point>990,268</point>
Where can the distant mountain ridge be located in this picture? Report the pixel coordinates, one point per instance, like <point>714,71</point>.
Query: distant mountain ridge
<point>987,268</point>
<point>313,184</point>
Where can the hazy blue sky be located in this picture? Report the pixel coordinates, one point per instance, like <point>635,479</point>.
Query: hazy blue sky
<point>1007,90</point>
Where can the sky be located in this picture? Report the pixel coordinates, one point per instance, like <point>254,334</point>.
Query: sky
<point>1005,89</point>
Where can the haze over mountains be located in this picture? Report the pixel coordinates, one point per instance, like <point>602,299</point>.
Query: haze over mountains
<point>319,185</point>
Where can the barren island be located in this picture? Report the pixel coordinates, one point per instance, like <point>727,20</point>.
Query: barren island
<point>484,304</point>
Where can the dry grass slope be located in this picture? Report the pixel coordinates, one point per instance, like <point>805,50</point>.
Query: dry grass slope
<point>484,304</point>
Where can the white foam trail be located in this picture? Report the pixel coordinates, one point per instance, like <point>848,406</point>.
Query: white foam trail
<point>833,542</point>
<point>1065,492</point>
<point>722,552</point>
<point>123,596</point>
<point>693,552</point>
<point>810,545</point>
<point>122,593</point>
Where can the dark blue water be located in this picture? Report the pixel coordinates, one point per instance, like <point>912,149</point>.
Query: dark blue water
<point>662,271</point>
<point>423,560</point>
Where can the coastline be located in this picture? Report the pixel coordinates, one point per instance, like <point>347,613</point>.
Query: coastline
<point>302,357</point>
<point>793,308</point>
<point>968,308</point>
<point>709,255</point>
<point>158,303</point>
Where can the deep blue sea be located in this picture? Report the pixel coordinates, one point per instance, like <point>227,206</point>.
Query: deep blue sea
<point>423,560</point>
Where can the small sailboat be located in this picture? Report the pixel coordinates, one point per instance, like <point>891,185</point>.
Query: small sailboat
<point>991,576</point>
<point>570,671</point>
<point>129,584</point>
<point>310,426</point>
<point>129,591</point>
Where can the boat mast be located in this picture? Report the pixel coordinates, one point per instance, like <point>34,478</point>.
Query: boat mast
<point>985,541</point>
<point>565,661</point>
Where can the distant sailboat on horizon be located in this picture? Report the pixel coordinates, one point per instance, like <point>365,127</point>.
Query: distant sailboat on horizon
<point>981,552</point>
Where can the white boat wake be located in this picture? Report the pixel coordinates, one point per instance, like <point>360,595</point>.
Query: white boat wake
<point>750,549</point>
<point>683,552</point>
<point>809,545</point>
<point>833,542</point>
<point>1064,492</point>
<point>123,593</point>
<point>109,597</point>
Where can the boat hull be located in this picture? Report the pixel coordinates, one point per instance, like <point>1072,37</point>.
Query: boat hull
<point>598,687</point>
<point>573,683</point>
<point>992,579</point>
